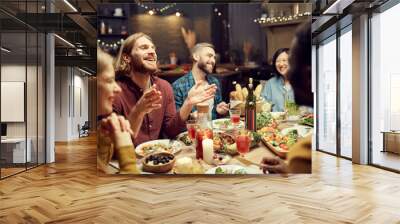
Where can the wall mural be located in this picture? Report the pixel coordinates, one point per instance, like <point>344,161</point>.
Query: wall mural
<point>191,89</point>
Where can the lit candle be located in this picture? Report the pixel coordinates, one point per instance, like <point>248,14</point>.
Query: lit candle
<point>208,150</point>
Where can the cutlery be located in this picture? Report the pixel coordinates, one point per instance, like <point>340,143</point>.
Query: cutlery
<point>246,161</point>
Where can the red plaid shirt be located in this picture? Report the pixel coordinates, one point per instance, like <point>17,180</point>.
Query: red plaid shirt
<point>164,121</point>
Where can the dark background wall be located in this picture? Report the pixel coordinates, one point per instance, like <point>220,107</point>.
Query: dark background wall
<point>279,37</point>
<point>227,32</point>
<point>166,30</point>
<point>243,28</point>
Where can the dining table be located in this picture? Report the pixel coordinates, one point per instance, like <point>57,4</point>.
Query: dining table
<point>251,159</point>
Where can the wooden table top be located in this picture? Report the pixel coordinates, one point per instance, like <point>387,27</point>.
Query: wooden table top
<point>255,155</point>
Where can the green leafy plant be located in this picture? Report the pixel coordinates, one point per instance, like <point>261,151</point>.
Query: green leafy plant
<point>263,119</point>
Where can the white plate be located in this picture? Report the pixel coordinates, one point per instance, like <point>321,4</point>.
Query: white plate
<point>278,115</point>
<point>176,146</point>
<point>302,130</point>
<point>230,169</point>
<point>293,118</point>
<point>229,127</point>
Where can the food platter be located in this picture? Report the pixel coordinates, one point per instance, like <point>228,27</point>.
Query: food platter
<point>282,153</point>
<point>225,124</point>
<point>184,138</point>
<point>162,145</point>
<point>279,142</point>
<point>307,120</point>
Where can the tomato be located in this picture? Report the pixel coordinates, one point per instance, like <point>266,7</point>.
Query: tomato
<point>283,146</point>
<point>208,133</point>
<point>273,125</point>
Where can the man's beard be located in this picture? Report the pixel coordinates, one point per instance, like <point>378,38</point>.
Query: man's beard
<point>203,66</point>
<point>138,66</point>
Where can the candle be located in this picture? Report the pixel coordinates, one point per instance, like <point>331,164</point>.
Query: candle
<point>208,150</point>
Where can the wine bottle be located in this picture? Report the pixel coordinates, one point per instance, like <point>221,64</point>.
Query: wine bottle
<point>251,108</point>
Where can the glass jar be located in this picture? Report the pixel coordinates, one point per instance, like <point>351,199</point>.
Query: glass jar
<point>204,131</point>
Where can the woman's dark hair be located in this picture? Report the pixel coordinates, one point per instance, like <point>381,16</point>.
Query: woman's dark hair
<point>275,57</point>
<point>299,73</point>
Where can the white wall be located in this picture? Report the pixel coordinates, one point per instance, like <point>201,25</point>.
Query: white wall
<point>61,103</point>
<point>15,73</point>
<point>71,94</point>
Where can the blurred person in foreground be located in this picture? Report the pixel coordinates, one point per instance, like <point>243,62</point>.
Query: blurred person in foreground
<point>114,132</point>
<point>299,156</point>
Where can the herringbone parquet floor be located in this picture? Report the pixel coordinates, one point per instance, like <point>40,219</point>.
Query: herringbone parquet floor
<point>69,191</point>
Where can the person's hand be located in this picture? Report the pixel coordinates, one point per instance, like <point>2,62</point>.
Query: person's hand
<point>189,37</point>
<point>247,46</point>
<point>194,115</point>
<point>199,93</point>
<point>273,165</point>
<point>150,100</point>
<point>114,125</point>
<point>118,129</point>
<point>222,108</point>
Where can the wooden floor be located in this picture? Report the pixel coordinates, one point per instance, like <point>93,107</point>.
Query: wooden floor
<point>10,171</point>
<point>69,191</point>
<point>387,159</point>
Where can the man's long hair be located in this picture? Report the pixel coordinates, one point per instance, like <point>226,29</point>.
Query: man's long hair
<point>121,66</point>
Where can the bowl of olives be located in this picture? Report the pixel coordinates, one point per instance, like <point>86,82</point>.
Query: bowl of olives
<point>160,162</point>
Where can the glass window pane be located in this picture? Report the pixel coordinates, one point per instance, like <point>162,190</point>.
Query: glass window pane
<point>385,88</point>
<point>326,101</point>
<point>31,96</point>
<point>346,94</point>
<point>13,85</point>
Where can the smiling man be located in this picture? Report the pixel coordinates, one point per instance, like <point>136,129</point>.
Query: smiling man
<point>203,56</point>
<point>146,100</point>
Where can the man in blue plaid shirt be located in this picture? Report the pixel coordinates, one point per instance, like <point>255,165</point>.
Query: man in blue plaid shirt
<point>203,56</point>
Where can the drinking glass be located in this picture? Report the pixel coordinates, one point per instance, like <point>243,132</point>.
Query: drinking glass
<point>243,142</point>
<point>191,126</point>
<point>235,116</point>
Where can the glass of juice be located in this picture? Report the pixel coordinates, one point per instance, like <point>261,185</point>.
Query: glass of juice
<point>243,142</point>
<point>235,116</point>
<point>191,126</point>
<point>202,134</point>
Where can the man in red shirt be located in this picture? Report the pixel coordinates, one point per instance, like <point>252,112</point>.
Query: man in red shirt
<point>146,100</point>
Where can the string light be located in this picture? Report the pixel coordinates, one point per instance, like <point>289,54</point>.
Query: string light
<point>263,19</point>
<point>178,14</point>
<point>113,45</point>
<point>161,10</point>
<point>151,12</point>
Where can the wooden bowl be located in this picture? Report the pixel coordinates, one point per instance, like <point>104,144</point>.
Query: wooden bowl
<point>148,165</point>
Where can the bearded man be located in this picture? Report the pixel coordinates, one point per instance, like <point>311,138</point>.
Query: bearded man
<point>203,57</point>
